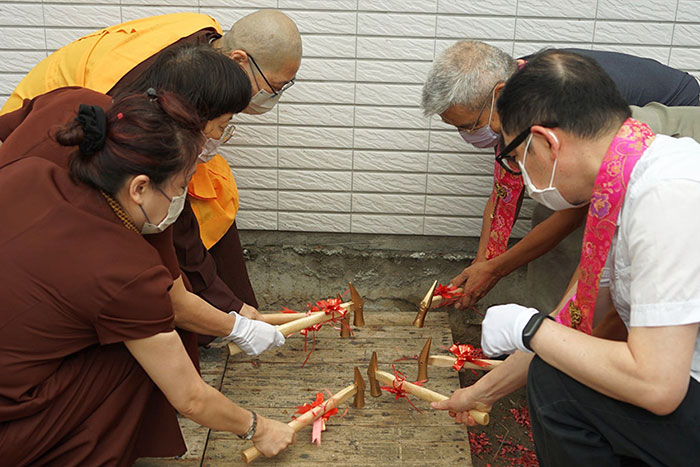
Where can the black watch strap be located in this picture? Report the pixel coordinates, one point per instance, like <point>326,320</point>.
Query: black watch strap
<point>531,328</point>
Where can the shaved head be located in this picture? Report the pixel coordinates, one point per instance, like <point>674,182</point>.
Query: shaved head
<point>270,36</point>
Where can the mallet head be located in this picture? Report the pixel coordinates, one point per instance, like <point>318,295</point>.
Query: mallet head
<point>358,306</point>
<point>359,382</point>
<point>423,361</point>
<point>374,389</point>
<point>424,306</point>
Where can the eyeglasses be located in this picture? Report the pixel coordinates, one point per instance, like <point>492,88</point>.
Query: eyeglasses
<point>506,159</point>
<point>275,92</point>
<point>481,111</point>
<point>228,132</point>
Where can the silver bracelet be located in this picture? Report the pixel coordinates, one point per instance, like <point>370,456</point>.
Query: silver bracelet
<point>251,431</point>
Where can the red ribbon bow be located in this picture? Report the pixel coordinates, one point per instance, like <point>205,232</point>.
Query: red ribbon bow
<point>330,307</point>
<point>319,424</point>
<point>466,353</point>
<point>448,293</point>
<point>301,409</point>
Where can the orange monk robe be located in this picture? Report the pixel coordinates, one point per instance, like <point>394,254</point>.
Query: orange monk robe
<point>99,60</point>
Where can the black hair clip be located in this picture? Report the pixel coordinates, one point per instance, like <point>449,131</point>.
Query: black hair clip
<point>152,94</point>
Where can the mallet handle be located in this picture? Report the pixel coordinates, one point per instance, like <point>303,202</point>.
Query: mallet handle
<point>296,325</point>
<point>447,361</point>
<point>307,418</point>
<point>437,300</point>
<point>482,418</point>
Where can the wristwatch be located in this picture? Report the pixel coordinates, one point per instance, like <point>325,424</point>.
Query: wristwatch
<point>251,431</point>
<point>531,328</point>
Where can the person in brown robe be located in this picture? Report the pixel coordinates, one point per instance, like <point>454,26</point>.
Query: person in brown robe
<point>216,272</point>
<point>87,323</point>
<point>26,134</point>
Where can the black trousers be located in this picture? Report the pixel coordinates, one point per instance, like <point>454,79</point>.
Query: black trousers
<point>573,425</point>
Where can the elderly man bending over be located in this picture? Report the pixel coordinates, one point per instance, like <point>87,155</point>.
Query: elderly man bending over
<point>463,86</point>
<point>595,401</point>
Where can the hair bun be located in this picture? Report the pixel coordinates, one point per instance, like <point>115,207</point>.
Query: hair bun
<point>93,121</point>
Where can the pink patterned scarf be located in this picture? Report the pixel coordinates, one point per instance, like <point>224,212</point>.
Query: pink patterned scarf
<point>626,149</point>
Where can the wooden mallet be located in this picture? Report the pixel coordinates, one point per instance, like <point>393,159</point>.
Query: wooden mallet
<point>297,325</point>
<point>375,375</point>
<point>357,389</point>
<point>424,306</point>
<point>425,359</point>
<point>281,318</point>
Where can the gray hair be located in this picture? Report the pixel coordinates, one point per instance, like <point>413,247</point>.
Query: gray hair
<point>464,74</point>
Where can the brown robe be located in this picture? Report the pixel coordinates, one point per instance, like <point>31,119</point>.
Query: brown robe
<point>26,133</point>
<point>75,284</point>
<point>218,275</point>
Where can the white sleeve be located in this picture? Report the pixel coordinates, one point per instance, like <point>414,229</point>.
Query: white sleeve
<point>664,250</point>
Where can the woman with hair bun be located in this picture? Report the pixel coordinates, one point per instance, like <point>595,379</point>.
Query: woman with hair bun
<point>86,322</point>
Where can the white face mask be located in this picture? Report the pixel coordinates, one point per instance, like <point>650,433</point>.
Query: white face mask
<point>550,196</point>
<point>483,137</point>
<point>210,148</point>
<point>177,203</point>
<point>262,102</point>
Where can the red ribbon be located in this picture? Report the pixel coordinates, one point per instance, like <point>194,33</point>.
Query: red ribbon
<point>448,293</point>
<point>330,307</point>
<point>396,387</point>
<point>301,409</point>
<point>465,353</point>
<point>319,424</point>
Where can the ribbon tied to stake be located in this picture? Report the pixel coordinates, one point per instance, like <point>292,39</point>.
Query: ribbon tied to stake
<point>319,425</point>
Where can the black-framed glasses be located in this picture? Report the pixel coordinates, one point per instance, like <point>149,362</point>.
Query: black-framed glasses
<point>275,92</point>
<point>506,159</point>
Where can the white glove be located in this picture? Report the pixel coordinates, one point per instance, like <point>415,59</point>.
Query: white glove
<point>502,329</point>
<point>254,337</point>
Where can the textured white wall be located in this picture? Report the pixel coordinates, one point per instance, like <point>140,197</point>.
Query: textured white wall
<point>347,149</point>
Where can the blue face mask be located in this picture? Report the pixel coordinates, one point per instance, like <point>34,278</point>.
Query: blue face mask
<point>483,137</point>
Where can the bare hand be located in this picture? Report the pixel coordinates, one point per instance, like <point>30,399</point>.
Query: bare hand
<point>476,280</point>
<point>250,312</point>
<point>460,403</point>
<point>271,437</point>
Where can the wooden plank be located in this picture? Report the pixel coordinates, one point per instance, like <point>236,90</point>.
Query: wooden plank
<point>387,431</point>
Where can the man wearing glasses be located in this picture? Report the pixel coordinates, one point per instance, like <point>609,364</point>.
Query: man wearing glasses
<point>594,401</point>
<point>267,45</point>
<point>463,87</point>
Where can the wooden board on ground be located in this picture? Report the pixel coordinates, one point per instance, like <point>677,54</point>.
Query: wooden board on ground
<point>387,431</point>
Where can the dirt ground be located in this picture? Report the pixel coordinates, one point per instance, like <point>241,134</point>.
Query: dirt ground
<point>507,440</point>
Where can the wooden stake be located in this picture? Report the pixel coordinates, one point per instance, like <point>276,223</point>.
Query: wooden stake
<point>344,323</point>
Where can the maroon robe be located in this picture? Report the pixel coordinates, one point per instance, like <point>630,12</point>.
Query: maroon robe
<point>26,133</point>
